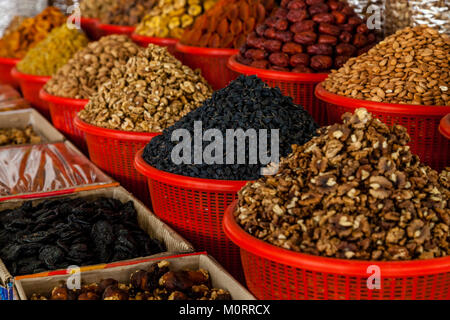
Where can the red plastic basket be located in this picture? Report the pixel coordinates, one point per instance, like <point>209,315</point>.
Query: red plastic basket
<point>195,208</point>
<point>422,123</point>
<point>113,151</point>
<point>31,85</point>
<point>299,86</point>
<point>273,273</point>
<point>212,62</point>
<point>6,65</point>
<point>108,29</point>
<point>89,26</point>
<point>144,41</point>
<point>63,112</point>
<point>444,127</point>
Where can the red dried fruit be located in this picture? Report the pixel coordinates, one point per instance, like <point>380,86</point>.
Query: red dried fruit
<point>296,4</point>
<point>335,5</point>
<point>297,15</point>
<point>324,17</point>
<point>279,59</point>
<point>360,40</point>
<point>233,12</point>
<point>284,36</point>
<point>214,41</point>
<point>292,48</point>
<point>345,49</point>
<point>321,63</point>
<point>254,41</point>
<point>327,39</point>
<point>261,13</point>
<point>329,29</point>
<point>281,24</point>
<point>255,54</point>
<point>272,45</point>
<point>244,11</point>
<point>278,68</point>
<point>280,13</point>
<point>260,64</point>
<point>238,41</point>
<point>362,28</point>
<point>347,27</point>
<point>339,61</point>
<point>236,27</point>
<point>347,10</point>
<point>227,41</point>
<point>355,21</point>
<point>306,37</point>
<point>305,25</point>
<point>302,69</point>
<point>318,8</point>
<point>339,17</point>
<point>260,29</point>
<point>346,37</point>
<point>249,25</point>
<point>299,59</point>
<point>223,28</point>
<point>204,40</point>
<point>320,49</point>
<point>270,33</point>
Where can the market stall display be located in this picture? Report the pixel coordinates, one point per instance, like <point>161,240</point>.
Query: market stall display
<point>157,91</point>
<point>70,89</point>
<point>218,34</point>
<point>92,228</point>
<point>136,275</point>
<point>193,197</point>
<point>403,80</point>
<point>165,24</point>
<point>27,126</point>
<point>351,193</point>
<point>56,168</point>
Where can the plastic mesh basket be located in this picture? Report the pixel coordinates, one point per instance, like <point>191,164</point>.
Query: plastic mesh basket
<point>31,86</point>
<point>273,273</point>
<point>212,62</point>
<point>109,29</point>
<point>144,41</point>
<point>422,123</point>
<point>63,112</point>
<point>444,127</point>
<point>89,26</point>
<point>6,65</point>
<point>113,151</point>
<point>299,86</point>
<point>195,209</point>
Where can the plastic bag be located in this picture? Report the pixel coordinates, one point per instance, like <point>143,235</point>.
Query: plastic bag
<point>46,168</point>
<point>400,14</point>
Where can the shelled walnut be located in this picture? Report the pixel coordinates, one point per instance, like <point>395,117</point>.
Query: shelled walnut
<point>157,283</point>
<point>15,136</point>
<point>354,192</point>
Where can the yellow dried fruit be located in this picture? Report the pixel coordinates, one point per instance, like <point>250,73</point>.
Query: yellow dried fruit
<point>54,52</point>
<point>170,18</point>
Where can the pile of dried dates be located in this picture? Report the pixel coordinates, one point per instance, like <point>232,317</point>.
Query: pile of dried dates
<point>157,283</point>
<point>306,36</point>
<point>55,234</point>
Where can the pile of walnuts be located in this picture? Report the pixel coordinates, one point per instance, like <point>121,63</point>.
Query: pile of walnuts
<point>354,192</point>
<point>16,136</point>
<point>91,67</point>
<point>148,94</point>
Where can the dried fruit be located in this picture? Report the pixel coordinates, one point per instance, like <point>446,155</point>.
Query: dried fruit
<point>353,192</point>
<point>410,67</point>
<point>246,103</point>
<point>91,67</point>
<point>55,234</point>
<point>31,31</point>
<point>328,32</point>
<point>148,94</point>
<point>126,12</point>
<point>169,18</point>
<point>95,8</point>
<point>166,285</point>
<point>227,24</point>
<point>52,53</point>
<point>15,136</point>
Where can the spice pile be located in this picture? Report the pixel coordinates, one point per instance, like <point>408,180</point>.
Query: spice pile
<point>353,192</point>
<point>307,36</point>
<point>170,18</point>
<point>247,103</point>
<point>53,52</point>
<point>157,283</point>
<point>148,94</point>
<point>95,8</point>
<point>412,66</point>
<point>58,233</point>
<point>32,30</point>
<point>91,67</point>
<point>228,23</point>
<point>15,136</point>
<point>127,12</point>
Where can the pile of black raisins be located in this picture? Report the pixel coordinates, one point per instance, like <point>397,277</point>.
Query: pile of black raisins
<point>56,234</point>
<point>247,103</point>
